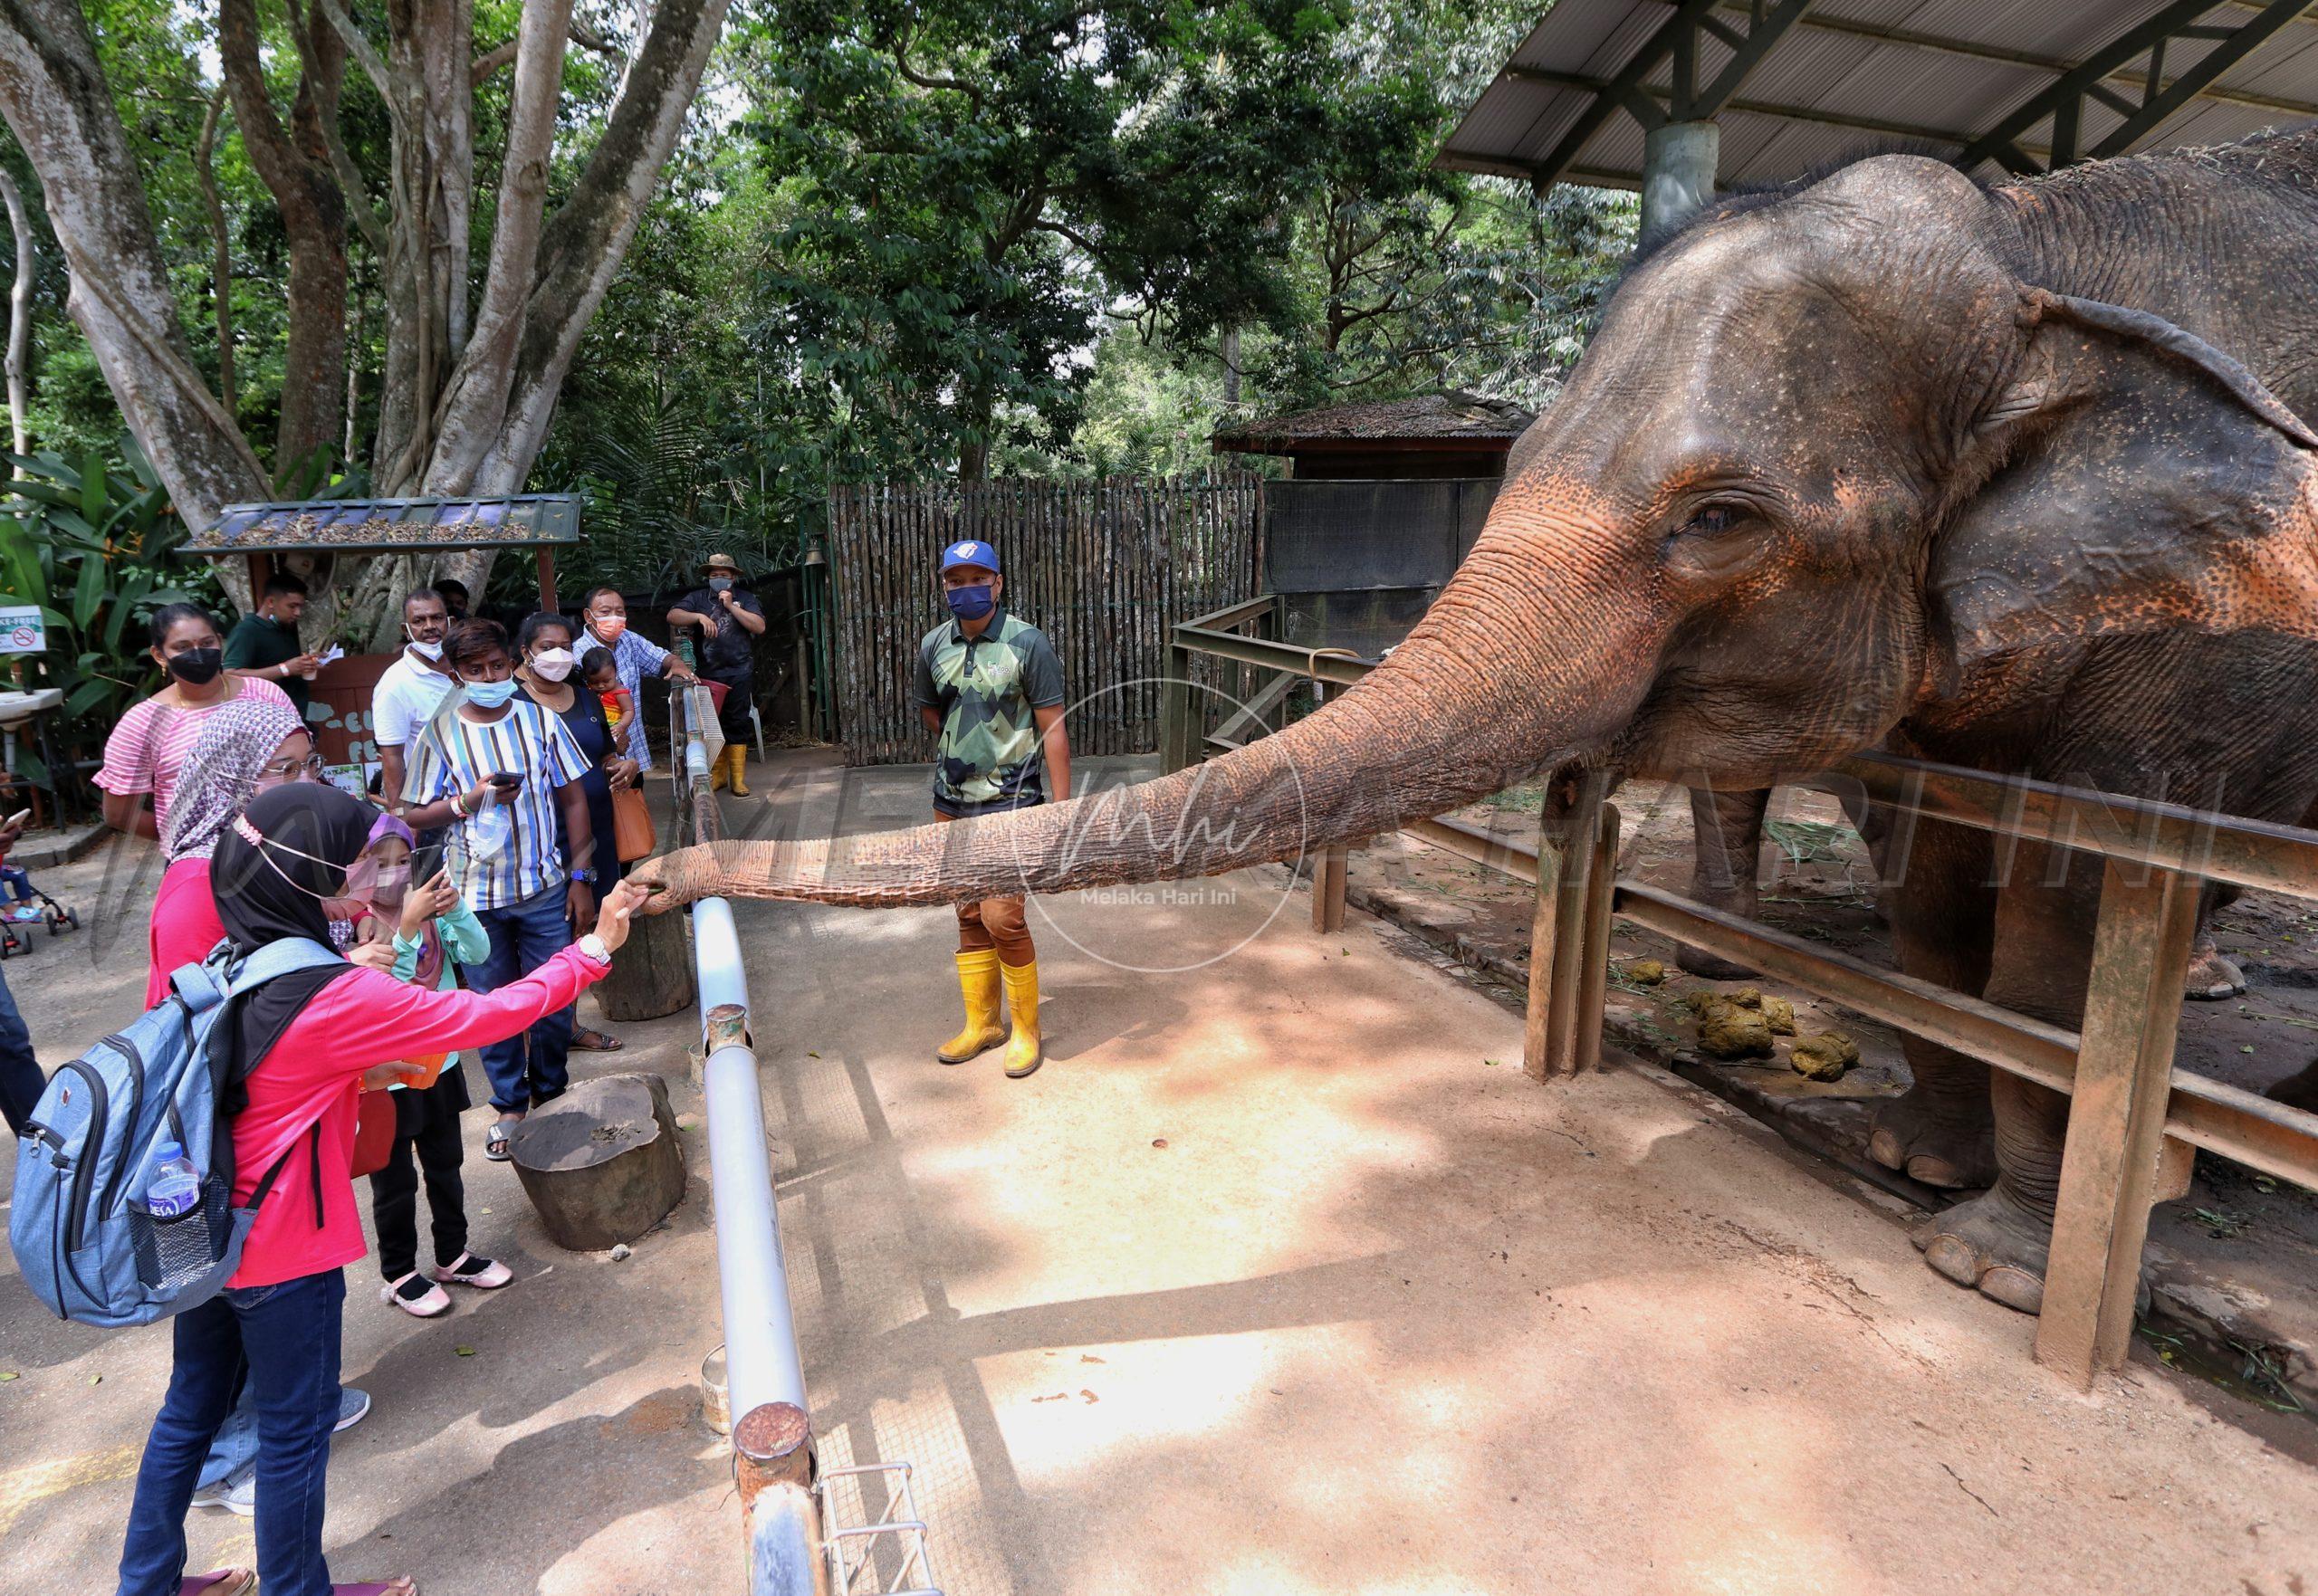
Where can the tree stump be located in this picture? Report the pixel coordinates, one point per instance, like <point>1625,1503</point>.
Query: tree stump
<point>652,972</point>
<point>601,1163</point>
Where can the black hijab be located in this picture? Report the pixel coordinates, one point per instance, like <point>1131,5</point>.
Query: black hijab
<point>274,889</point>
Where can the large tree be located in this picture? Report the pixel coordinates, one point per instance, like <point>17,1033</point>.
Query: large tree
<point>476,351</point>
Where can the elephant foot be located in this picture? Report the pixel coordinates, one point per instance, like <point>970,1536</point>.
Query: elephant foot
<point>1699,962</point>
<point>1992,1244</point>
<point>2298,1091</point>
<point>1939,1149</point>
<point>2211,976</point>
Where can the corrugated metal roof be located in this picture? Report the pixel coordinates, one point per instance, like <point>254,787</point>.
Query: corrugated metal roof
<point>522,520</point>
<point>1835,83</point>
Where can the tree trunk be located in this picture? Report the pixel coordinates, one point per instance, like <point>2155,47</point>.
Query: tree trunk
<point>601,1164</point>
<point>295,167</point>
<point>221,249</point>
<point>652,974</point>
<point>56,102</point>
<point>20,316</point>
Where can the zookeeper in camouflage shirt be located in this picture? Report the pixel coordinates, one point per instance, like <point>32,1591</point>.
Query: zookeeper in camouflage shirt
<point>991,685</point>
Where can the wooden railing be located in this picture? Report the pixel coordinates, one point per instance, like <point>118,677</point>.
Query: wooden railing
<point>2133,1118</point>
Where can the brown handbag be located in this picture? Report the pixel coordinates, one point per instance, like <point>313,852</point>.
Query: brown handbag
<point>633,835</point>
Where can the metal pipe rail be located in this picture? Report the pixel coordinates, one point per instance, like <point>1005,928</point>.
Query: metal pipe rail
<point>2133,1115</point>
<point>772,1446</point>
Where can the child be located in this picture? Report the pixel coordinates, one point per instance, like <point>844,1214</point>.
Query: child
<point>603,680</point>
<point>429,922</point>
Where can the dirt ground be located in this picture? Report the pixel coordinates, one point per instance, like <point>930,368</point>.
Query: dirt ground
<point>1279,1278</point>
<point>2235,1263</point>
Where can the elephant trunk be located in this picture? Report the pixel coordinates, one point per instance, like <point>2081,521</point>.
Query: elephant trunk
<point>1481,695</point>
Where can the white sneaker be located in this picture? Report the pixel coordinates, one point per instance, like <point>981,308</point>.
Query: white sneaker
<point>239,1497</point>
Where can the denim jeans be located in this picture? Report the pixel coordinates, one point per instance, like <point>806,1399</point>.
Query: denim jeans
<point>20,1081</point>
<point>531,1066</point>
<point>19,884</point>
<point>286,1338</point>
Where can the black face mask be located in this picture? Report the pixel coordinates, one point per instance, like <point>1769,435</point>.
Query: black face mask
<point>197,666</point>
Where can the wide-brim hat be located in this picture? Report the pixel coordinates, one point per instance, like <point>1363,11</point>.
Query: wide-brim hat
<point>721,562</point>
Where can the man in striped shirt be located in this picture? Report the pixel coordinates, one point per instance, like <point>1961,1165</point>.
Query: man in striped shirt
<point>497,770</point>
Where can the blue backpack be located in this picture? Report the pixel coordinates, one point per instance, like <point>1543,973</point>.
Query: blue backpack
<point>82,1237</point>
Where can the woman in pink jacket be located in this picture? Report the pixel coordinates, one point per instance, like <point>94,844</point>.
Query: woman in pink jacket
<point>302,1044</point>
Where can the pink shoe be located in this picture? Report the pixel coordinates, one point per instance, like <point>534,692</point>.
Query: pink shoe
<point>224,1581</point>
<point>469,1270</point>
<point>421,1299</point>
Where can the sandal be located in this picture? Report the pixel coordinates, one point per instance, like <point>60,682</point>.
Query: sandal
<point>482,1274</point>
<point>587,1041</point>
<point>417,1295</point>
<point>404,1586</point>
<point>223,1581</point>
<point>495,1141</point>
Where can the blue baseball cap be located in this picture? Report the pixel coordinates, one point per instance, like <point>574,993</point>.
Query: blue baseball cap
<point>972,551</point>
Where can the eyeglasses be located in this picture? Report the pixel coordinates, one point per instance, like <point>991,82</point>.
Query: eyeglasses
<point>291,770</point>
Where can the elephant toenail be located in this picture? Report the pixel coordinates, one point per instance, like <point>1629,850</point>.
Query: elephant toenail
<point>1933,1170</point>
<point>2014,1287</point>
<point>1887,1149</point>
<point>1954,1257</point>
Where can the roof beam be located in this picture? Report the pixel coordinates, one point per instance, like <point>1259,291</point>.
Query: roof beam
<point>1677,41</point>
<point>1797,113</point>
<point>1971,50</point>
<point>2063,100</point>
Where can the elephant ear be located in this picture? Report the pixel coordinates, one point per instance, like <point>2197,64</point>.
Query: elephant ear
<point>2144,481</point>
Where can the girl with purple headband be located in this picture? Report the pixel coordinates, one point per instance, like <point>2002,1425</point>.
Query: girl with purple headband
<point>433,928</point>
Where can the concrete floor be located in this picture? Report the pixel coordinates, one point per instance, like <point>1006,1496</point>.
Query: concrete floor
<point>1279,1278</point>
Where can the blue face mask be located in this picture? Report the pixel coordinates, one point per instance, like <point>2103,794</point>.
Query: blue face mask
<point>491,695</point>
<point>971,604</point>
<point>719,584</point>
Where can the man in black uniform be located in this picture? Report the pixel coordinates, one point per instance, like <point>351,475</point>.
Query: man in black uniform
<point>730,620</point>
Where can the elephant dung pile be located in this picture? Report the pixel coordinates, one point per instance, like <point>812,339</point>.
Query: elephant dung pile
<point>1741,1025</point>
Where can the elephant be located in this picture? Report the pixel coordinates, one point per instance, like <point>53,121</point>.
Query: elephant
<point>1726,829</point>
<point>2008,476</point>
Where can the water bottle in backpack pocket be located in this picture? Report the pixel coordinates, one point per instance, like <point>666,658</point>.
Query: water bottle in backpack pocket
<point>123,1203</point>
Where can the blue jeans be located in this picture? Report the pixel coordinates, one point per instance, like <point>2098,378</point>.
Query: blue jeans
<point>531,1066</point>
<point>20,1081</point>
<point>17,883</point>
<point>285,1338</point>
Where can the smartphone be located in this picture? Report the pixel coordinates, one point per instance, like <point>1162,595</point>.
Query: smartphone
<point>508,782</point>
<point>18,818</point>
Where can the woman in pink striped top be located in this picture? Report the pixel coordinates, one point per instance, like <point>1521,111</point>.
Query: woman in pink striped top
<point>147,753</point>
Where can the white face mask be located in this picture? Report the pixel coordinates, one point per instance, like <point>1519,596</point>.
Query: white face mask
<point>424,650</point>
<point>551,664</point>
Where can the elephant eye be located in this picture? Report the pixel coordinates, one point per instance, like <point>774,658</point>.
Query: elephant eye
<point>1711,521</point>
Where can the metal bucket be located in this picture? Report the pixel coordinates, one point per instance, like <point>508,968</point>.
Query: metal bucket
<point>715,1404</point>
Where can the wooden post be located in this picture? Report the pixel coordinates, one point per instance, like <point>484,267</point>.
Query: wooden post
<point>1594,953</point>
<point>1330,875</point>
<point>1179,712</point>
<point>1568,843</point>
<point>2116,1120</point>
<point>547,580</point>
<point>261,573</point>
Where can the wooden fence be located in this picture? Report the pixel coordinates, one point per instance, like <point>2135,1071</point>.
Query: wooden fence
<point>1104,569</point>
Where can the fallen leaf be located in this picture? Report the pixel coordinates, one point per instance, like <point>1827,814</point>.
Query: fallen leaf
<point>2248,1048</point>
<point>1090,1396</point>
<point>811,1054</point>
<point>1159,1141</point>
<point>1489,1063</point>
<point>1083,1357</point>
<point>1057,1397</point>
<point>9,1374</point>
<point>487,1210</point>
<point>464,1351</point>
<point>96,1380</point>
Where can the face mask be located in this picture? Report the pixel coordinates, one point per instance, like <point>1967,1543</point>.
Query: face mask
<point>609,626</point>
<point>971,604</point>
<point>197,666</point>
<point>426,650</point>
<point>551,664</point>
<point>382,886</point>
<point>265,846</point>
<point>491,695</point>
<point>719,584</point>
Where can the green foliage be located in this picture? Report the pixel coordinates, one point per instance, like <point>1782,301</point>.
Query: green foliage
<point>95,549</point>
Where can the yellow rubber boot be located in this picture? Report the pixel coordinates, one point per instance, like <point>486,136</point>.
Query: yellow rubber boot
<point>716,773</point>
<point>1024,1050</point>
<point>739,756</point>
<point>978,979</point>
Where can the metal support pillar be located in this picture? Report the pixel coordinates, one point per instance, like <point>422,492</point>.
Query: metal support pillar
<point>1678,167</point>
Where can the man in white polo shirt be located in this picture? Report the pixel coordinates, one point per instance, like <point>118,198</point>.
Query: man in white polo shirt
<point>410,690</point>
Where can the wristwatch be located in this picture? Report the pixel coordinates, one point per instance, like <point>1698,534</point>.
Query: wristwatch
<point>586,873</point>
<point>593,946</point>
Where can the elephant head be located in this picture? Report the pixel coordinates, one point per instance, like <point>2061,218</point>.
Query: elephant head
<point>1831,460</point>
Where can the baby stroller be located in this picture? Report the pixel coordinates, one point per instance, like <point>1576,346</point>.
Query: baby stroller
<point>21,905</point>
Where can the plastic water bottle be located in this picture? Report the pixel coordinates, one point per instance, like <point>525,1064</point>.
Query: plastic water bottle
<point>174,1189</point>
